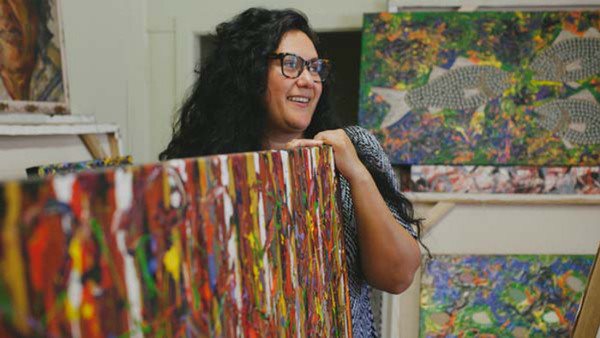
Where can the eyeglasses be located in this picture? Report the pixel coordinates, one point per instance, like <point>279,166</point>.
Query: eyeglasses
<point>293,65</point>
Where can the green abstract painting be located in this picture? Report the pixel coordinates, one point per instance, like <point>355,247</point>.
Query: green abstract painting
<point>502,296</point>
<point>515,88</point>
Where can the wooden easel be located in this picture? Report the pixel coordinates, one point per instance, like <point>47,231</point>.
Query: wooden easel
<point>85,127</point>
<point>588,318</point>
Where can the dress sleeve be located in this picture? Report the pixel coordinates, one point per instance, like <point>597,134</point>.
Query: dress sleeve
<point>373,157</point>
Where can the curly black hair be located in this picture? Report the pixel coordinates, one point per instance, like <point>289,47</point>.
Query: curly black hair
<point>225,111</point>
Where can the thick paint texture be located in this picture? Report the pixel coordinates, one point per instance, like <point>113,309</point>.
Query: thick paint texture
<point>239,245</point>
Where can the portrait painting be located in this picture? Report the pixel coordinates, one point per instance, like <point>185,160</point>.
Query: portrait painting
<point>32,66</point>
<point>483,88</point>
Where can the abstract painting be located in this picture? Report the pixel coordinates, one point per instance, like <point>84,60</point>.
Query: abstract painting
<point>225,246</point>
<point>512,180</point>
<point>32,64</point>
<point>483,88</point>
<point>502,296</point>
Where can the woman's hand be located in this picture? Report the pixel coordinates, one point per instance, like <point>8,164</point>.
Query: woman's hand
<point>346,159</point>
<point>389,255</point>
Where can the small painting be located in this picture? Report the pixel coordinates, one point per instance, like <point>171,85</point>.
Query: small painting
<point>32,64</point>
<point>505,180</point>
<point>502,296</point>
<point>483,88</point>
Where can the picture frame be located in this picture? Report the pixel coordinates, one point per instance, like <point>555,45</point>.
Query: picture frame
<point>33,67</point>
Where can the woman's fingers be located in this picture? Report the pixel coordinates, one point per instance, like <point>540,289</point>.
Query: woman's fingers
<point>346,159</point>
<point>301,142</point>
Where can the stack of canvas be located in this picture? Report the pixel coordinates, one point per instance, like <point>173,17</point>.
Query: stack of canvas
<point>489,102</point>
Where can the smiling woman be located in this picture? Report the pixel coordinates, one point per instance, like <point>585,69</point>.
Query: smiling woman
<point>265,87</point>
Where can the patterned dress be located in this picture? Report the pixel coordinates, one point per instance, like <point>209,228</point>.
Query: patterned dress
<point>371,154</point>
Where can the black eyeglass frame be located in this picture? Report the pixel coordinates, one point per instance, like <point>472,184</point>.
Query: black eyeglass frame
<point>305,65</point>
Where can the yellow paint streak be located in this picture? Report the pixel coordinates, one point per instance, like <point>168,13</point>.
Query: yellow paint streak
<point>71,312</point>
<point>547,83</point>
<point>172,258</point>
<point>76,253</point>
<point>87,311</point>
<point>216,319</point>
<point>232,192</point>
<point>309,221</point>
<point>202,174</point>
<point>166,189</point>
<point>476,123</point>
<point>11,263</point>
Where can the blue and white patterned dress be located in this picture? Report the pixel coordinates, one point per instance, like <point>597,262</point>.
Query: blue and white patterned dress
<point>372,155</point>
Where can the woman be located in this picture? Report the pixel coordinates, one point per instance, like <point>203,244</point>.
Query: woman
<point>264,87</point>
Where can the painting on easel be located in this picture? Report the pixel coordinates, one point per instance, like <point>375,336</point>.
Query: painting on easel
<point>32,64</point>
<point>483,88</point>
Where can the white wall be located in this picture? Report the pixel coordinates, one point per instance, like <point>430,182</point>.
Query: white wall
<point>106,51</point>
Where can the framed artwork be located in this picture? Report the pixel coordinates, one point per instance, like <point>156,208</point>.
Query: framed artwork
<point>225,246</point>
<point>510,180</point>
<point>33,75</point>
<point>483,88</point>
<point>502,296</point>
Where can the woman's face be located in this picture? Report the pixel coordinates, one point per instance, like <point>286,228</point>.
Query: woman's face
<point>291,103</point>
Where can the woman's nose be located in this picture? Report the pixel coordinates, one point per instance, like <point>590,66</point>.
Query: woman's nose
<point>305,79</point>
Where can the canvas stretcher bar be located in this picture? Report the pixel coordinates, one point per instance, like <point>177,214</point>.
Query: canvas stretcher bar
<point>587,323</point>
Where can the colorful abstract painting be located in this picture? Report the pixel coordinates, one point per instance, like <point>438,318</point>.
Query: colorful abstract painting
<point>512,180</point>
<point>225,246</point>
<point>502,296</point>
<point>486,88</point>
<point>33,77</point>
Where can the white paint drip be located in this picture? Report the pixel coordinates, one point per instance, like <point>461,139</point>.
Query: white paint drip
<point>285,163</point>
<point>235,262</point>
<point>133,288</point>
<point>74,292</point>
<point>263,239</point>
<point>256,163</point>
<point>63,187</point>
<point>332,162</point>
<point>224,171</point>
<point>227,210</point>
<point>293,273</point>
<point>318,220</point>
<point>310,169</point>
<point>179,165</point>
<point>123,189</point>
